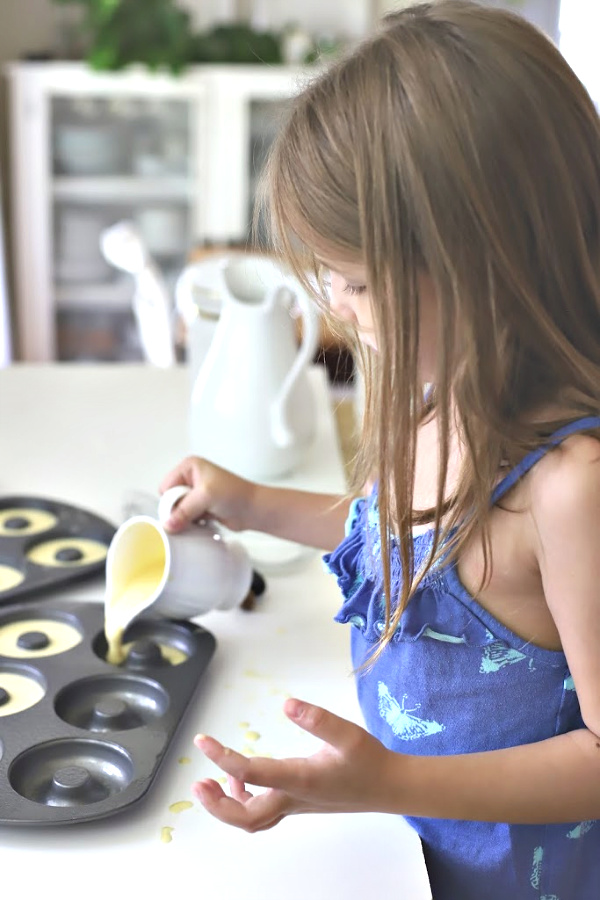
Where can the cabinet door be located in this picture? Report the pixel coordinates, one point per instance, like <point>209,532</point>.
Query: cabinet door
<point>244,110</point>
<point>125,158</point>
<point>110,148</point>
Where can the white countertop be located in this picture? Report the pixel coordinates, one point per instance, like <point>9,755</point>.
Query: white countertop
<point>88,435</point>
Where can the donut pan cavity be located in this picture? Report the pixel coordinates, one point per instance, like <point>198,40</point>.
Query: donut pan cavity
<point>45,544</point>
<point>81,739</point>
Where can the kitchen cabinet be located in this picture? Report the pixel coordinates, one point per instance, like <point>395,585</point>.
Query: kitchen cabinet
<point>178,156</point>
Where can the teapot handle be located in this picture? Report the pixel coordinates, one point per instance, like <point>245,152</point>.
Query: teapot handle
<point>280,427</point>
<point>169,500</point>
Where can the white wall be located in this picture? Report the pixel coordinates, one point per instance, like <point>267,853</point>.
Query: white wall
<point>543,13</point>
<point>27,26</point>
<point>331,17</point>
<point>580,28</point>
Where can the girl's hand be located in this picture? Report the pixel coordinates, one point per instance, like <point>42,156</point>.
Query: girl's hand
<point>216,493</point>
<point>350,773</point>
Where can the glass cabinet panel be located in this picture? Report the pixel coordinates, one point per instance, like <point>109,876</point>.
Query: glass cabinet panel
<point>114,159</point>
<point>121,135</point>
<point>265,116</point>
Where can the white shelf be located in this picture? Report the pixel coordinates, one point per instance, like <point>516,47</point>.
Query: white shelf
<point>108,189</point>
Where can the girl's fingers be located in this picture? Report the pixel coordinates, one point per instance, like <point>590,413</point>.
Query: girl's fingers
<point>282,774</point>
<point>331,729</point>
<point>190,508</point>
<point>181,474</point>
<point>293,785</point>
<point>254,814</point>
<point>238,789</point>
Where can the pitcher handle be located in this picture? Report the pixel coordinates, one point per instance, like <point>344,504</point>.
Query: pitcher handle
<point>193,299</point>
<point>280,427</point>
<point>169,500</point>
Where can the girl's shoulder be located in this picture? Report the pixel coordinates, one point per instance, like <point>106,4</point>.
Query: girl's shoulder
<point>565,505</point>
<point>564,486</point>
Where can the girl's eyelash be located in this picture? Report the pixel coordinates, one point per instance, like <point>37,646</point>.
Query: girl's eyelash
<point>355,289</point>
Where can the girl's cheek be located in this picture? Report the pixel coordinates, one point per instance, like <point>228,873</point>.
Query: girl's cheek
<point>339,304</point>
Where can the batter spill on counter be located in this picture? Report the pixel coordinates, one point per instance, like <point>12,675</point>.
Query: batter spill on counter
<point>180,806</point>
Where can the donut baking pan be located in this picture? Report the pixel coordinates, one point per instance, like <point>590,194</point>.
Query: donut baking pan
<point>81,739</point>
<point>45,544</point>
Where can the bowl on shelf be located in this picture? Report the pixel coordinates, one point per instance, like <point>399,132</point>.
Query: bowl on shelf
<point>88,150</point>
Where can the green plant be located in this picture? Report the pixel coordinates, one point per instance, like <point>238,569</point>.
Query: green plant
<point>158,34</point>
<point>236,43</point>
<point>120,32</point>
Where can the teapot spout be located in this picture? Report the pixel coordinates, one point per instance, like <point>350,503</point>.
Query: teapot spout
<point>138,553</point>
<point>137,566</point>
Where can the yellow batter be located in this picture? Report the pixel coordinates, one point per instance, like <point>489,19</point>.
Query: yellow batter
<point>173,655</point>
<point>45,554</point>
<point>38,520</point>
<point>23,692</point>
<point>62,637</point>
<point>124,605</point>
<point>9,578</point>
<point>180,806</point>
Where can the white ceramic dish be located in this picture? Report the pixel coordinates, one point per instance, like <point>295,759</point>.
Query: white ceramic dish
<point>88,150</point>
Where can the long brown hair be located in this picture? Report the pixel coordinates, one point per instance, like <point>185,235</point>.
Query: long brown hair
<point>454,141</point>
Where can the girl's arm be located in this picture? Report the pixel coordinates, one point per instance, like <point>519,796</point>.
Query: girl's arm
<point>314,519</point>
<point>557,780</point>
<point>308,518</point>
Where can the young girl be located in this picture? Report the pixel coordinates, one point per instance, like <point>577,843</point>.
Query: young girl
<point>447,177</point>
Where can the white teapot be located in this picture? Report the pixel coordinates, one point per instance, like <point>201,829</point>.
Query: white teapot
<point>177,575</point>
<point>252,408</point>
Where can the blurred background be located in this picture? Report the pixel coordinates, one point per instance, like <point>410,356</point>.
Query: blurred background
<point>160,120</point>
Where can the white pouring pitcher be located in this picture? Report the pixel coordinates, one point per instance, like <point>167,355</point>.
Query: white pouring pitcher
<point>252,407</point>
<point>199,302</point>
<point>178,575</point>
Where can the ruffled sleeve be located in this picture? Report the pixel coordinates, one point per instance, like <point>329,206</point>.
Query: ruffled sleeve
<point>357,567</point>
<point>347,564</point>
<point>343,561</point>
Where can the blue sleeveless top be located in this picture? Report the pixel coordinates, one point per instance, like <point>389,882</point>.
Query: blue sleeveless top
<point>455,680</point>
